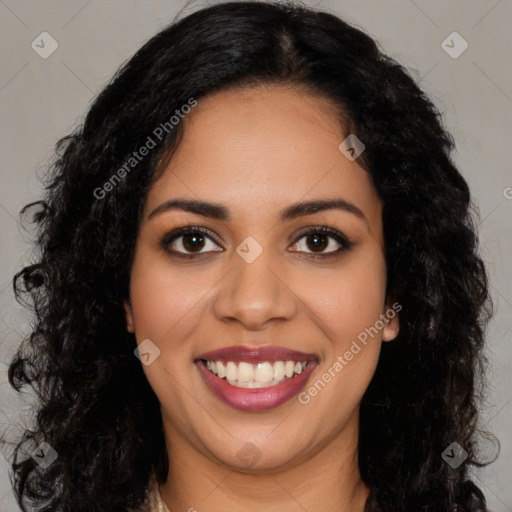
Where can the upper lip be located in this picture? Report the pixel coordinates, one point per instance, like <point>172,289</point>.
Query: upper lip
<point>256,354</point>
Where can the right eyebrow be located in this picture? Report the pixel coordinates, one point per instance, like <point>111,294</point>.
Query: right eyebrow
<point>212,210</point>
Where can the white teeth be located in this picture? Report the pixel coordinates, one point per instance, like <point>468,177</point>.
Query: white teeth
<point>264,372</point>
<point>212,366</point>
<point>253,384</point>
<point>248,375</point>
<point>231,371</point>
<point>220,370</point>
<point>245,372</point>
<point>278,370</point>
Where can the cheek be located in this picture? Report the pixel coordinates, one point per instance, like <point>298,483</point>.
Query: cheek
<point>349,300</point>
<point>164,303</point>
<point>167,308</point>
<point>347,307</point>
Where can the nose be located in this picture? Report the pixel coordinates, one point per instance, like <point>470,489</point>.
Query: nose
<point>254,294</point>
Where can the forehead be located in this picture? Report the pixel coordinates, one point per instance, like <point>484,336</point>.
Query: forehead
<point>263,146</point>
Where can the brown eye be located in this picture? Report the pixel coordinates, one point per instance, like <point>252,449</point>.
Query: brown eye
<point>193,242</point>
<point>322,242</point>
<point>190,241</point>
<point>317,242</point>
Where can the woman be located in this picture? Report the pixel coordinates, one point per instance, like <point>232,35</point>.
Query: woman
<point>257,201</point>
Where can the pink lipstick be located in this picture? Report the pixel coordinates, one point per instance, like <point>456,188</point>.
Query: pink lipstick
<point>255,379</point>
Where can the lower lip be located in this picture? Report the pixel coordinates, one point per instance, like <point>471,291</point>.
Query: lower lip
<point>255,399</point>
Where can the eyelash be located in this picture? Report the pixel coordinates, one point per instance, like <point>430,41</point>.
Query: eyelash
<point>345,243</point>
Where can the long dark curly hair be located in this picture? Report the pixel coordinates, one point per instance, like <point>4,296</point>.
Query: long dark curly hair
<point>95,406</point>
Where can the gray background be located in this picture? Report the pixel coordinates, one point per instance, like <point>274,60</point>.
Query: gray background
<point>41,100</point>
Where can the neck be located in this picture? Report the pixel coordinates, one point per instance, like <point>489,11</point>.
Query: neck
<point>327,481</point>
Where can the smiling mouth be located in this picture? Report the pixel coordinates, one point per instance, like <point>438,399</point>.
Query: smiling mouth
<point>242,374</point>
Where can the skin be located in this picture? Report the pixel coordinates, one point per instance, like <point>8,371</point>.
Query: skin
<point>256,151</point>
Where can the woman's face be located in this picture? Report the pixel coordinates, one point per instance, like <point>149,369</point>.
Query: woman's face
<point>256,280</point>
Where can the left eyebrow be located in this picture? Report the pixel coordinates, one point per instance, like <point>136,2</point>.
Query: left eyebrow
<point>309,207</point>
<point>219,212</point>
